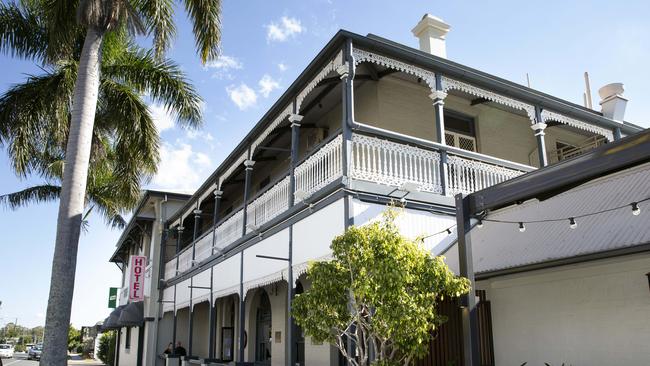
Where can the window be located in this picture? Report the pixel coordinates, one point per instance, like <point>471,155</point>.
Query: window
<point>127,340</point>
<point>460,131</point>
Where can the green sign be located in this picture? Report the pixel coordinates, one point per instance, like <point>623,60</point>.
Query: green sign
<point>112,297</point>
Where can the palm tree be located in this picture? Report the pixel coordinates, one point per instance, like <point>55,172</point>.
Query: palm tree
<point>98,19</point>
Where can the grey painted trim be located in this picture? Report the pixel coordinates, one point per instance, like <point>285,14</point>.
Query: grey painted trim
<point>641,248</point>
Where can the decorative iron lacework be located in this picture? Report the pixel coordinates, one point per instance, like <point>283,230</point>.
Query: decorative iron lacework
<point>276,122</point>
<point>364,56</point>
<point>226,292</point>
<point>391,163</point>
<point>449,84</point>
<point>264,281</point>
<point>300,269</point>
<point>326,70</point>
<point>232,168</point>
<point>467,176</point>
<point>552,116</point>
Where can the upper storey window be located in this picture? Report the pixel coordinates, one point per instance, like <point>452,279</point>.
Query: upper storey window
<point>460,131</point>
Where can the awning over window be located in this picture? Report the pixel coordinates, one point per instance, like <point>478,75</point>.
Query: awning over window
<point>132,315</point>
<point>112,322</point>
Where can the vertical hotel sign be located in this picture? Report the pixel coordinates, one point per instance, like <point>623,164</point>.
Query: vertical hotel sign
<point>136,285</point>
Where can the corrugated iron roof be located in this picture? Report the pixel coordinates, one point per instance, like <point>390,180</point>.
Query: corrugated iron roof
<point>499,246</point>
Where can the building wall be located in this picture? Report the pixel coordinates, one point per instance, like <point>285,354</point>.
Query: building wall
<point>402,106</point>
<point>165,335</point>
<point>129,356</point>
<point>201,331</point>
<point>596,313</point>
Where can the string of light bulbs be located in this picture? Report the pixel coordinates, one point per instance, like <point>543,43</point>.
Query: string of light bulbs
<point>573,223</point>
<point>572,220</point>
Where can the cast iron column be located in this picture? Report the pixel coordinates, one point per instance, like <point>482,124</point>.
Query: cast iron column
<point>178,246</point>
<point>438,97</point>
<point>539,135</point>
<point>212,318</point>
<point>195,234</point>
<point>469,313</point>
<point>346,73</point>
<point>249,172</point>
<point>295,119</point>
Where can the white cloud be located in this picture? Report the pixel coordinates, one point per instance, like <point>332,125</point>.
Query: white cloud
<point>282,66</point>
<point>243,96</point>
<point>286,28</point>
<point>267,85</point>
<point>195,134</point>
<point>181,167</point>
<point>223,66</point>
<point>161,116</point>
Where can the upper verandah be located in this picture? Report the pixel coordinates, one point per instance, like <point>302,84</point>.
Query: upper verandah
<point>453,76</point>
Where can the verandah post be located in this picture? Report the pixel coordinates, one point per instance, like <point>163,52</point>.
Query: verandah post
<point>471,351</point>
<point>438,97</point>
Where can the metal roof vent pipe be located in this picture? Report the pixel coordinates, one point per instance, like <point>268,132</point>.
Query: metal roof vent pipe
<point>432,32</point>
<point>612,102</point>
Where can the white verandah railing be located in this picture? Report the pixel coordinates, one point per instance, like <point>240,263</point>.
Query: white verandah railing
<point>392,163</point>
<point>467,176</point>
<point>372,159</point>
<point>268,205</point>
<point>320,169</point>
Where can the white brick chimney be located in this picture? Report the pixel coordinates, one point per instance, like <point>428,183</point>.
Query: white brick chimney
<point>432,32</point>
<point>612,102</point>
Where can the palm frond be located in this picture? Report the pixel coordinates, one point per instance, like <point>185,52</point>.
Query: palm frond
<point>136,138</point>
<point>159,18</point>
<point>63,30</point>
<point>21,32</point>
<point>34,116</point>
<point>163,80</point>
<point>206,25</point>
<point>35,194</point>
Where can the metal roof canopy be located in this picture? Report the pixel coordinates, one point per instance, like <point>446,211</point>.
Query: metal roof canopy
<point>557,178</point>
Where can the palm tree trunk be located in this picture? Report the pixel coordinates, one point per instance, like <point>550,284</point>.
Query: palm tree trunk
<point>72,202</point>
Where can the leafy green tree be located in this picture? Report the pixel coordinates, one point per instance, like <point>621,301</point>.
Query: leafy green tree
<point>380,290</point>
<point>97,21</point>
<point>106,348</point>
<point>74,338</point>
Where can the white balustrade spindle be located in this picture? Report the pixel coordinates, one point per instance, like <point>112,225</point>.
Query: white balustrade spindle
<point>269,205</point>
<point>203,247</point>
<point>230,230</point>
<point>170,269</point>
<point>467,176</point>
<point>320,169</point>
<point>391,163</point>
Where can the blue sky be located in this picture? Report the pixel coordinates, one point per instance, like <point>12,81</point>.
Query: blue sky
<point>266,44</point>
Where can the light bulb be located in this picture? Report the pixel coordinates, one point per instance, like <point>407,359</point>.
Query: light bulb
<point>572,223</point>
<point>479,224</point>
<point>522,228</point>
<point>635,209</point>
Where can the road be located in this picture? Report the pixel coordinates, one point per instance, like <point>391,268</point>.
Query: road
<point>20,359</point>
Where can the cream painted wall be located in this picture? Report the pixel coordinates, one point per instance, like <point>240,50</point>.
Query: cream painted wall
<point>405,107</point>
<point>590,314</point>
<point>129,357</point>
